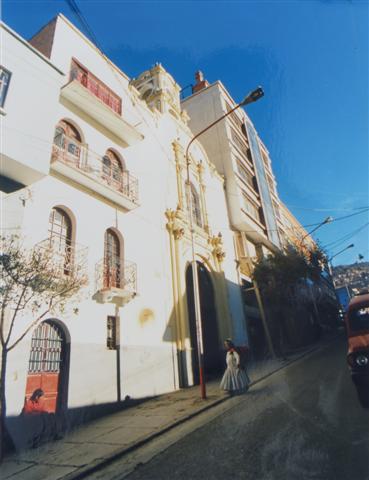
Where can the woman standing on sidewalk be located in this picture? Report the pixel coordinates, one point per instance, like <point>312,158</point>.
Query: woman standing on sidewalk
<point>235,379</point>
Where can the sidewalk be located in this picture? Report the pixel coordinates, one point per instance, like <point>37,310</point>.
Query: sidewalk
<point>99,442</point>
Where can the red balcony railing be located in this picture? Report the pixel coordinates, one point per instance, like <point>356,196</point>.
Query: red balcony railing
<point>96,87</point>
<point>76,155</point>
<point>123,277</point>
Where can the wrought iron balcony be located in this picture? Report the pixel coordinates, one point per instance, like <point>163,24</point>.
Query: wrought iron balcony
<point>73,160</point>
<point>115,284</point>
<point>64,259</point>
<point>96,87</point>
<point>101,105</point>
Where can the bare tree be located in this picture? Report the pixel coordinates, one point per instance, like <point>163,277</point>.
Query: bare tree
<point>33,284</point>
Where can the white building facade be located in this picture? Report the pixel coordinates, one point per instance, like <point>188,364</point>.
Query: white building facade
<point>94,163</point>
<point>253,203</point>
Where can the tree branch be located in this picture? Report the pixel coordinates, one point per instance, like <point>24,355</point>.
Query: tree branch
<point>15,315</point>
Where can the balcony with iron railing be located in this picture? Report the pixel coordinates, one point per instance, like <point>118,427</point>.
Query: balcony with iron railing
<point>115,283</point>
<point>96,87</point>
<point>92,97</point>
<point>74,161</point>
<point>63,258</point>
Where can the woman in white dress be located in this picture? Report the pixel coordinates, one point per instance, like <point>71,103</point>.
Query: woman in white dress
<point>235,379</point>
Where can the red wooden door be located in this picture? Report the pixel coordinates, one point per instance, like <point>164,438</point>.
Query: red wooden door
<point>45,364</point>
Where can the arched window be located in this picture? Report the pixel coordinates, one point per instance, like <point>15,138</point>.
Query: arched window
<point>196,207</point>
<point>68,140</point>
<point>112,270</point>
<point>112,169</point>
<point>60,236</point>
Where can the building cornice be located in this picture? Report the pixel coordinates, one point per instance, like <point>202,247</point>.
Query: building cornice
<point>30,47</point>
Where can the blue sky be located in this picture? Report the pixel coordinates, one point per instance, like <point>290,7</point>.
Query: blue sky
<point>310,56</point>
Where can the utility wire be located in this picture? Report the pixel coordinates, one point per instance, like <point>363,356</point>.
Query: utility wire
<point>75,9</point>
<point>346,237</point>
<point>49,144</point>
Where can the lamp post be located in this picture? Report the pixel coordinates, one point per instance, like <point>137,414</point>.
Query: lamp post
<point>344,249</point>
<point>329,260</point>
<point>327,220</point>
<point>250,98</point>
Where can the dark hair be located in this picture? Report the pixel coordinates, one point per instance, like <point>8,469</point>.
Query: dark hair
<point>37,393</point>
<point>229,341</point>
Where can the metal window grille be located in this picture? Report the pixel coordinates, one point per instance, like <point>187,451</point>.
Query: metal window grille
<point>111,260</point>
<point>111,334</point>
<point>46,349</point>
<point>60,236</point>
<point>112,170</point>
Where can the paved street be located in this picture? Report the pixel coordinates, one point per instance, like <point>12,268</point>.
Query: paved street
<point>303,422</point>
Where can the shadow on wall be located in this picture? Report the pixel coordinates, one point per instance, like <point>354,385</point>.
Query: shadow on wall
<point>30,431</point>
<point>212,328</point>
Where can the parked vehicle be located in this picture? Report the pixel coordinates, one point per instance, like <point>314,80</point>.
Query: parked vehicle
<point>357,327</point>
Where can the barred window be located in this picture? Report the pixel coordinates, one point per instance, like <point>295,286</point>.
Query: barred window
<point>68,140</point>
<point>111,260</point>
<point>111,332</point>
<point>46,349</point>
<point>60,236</point>
<point>112,169</point>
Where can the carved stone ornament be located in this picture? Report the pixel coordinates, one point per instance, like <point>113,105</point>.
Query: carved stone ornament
<point>173,225</point>
<point>216,241</point>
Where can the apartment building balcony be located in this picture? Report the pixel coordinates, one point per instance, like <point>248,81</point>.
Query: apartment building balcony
<point>115,284</point>
<point>75,162</point>
<point>64,259</point>
<point>92,97</point>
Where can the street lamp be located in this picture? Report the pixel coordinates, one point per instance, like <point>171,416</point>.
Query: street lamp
<point>250,98</point>
<point>327,220</point>
<point>329,261</point>
<point>346,248</point>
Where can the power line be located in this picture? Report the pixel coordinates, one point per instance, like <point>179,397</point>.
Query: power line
<point>327,209</point>
<point>346,237</point>
<point>75,9</point>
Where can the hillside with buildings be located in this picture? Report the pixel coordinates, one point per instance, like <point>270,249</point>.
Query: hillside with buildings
<point>356,275</point>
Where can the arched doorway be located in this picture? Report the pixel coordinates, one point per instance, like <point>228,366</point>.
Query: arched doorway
<point>48,365</point>
<point>212,354</point>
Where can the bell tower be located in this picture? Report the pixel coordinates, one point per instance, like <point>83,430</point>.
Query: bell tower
<point>160,91</point>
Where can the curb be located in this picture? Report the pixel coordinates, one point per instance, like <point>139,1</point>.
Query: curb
<point>101,463</point>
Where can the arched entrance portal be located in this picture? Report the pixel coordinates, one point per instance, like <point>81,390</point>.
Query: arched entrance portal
<point>47,367</point>
<point>212,353</point>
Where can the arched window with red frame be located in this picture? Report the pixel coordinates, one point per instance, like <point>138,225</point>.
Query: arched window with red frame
<point>60,236</point>
<point>112,170</point>
<point>68,142</point>
<point>112,260</point>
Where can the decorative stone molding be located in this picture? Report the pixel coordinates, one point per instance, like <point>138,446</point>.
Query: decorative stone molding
<point>216,241</point>
<point>174,224</point>
<point>185,117</point>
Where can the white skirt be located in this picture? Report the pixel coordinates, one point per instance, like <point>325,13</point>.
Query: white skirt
<point>235,380</point>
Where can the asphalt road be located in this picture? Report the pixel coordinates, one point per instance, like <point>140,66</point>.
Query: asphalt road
<point>302,423</point>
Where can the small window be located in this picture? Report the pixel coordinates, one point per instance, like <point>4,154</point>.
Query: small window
<point>111,333</point>
<point>59,137</point>
<point>112,169</point>
<point>112,270</point>
<point>196,207</point>
<point>4,84</point>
